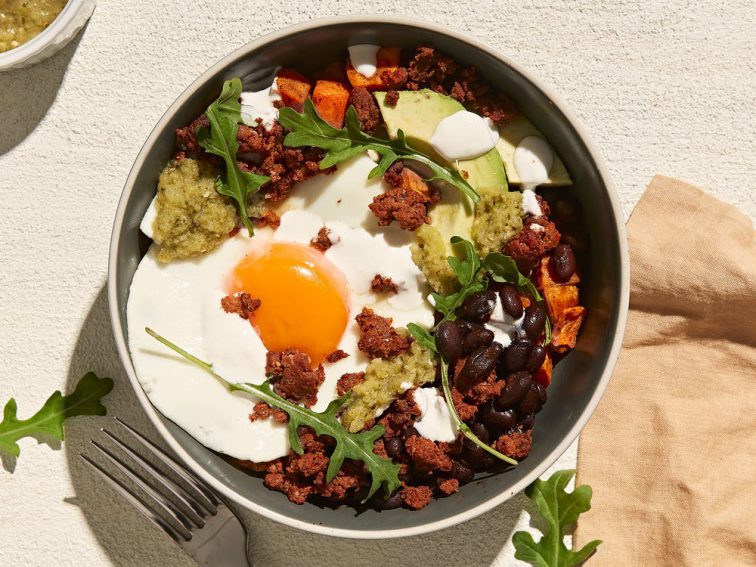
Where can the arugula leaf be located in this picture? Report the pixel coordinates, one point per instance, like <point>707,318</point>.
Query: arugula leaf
<point>309,129</point>
<point>466,270</point>
<point>560,509</point>
<point>423,337</point>
<point>224,115</point>
<point>84,400</point>
<point>356,446</point>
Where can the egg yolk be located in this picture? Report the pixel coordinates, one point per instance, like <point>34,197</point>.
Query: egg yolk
<point>305,299</point>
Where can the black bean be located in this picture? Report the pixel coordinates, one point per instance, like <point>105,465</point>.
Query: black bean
<point>478,457</point>
<point>422,476</point>
<point>541,396</point>
<point>455,447</point>
<point>464,327</point>
<point>529,403</point>
<point>478,307</point>
<point>527,422</point>
<point>410,432</point>
<point>536,358</point>
<point>535,321</point>
<point>477,366</point>
<point>564,262</point>
<point>462,472</point>
<point>394,447</point>
<point>516,387</point>
<point>480,431</point>
<point>510,300</point>
<point>392,502</point>
<point>478,337</point>
<point>517,354</point>
<point>449,341</point>
<point>499,420</point>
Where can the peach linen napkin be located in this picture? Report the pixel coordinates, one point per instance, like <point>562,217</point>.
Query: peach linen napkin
<point>671,450</point>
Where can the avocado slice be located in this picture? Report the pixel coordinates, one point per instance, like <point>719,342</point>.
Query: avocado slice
<point>417,113</point>
<point>511,134</point>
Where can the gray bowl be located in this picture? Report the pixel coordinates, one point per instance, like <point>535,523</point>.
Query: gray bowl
<point>579,380</point>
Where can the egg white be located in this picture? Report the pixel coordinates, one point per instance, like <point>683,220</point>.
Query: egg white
<point>181,301</point>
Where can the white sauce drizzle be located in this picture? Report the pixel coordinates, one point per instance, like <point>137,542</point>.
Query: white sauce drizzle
<point>536,228</point>
<point>435,422</point>
<point>364,58</point>
<point>149,219</point>
<point>533,159</point>
<point>260,105</point>
<point>530,203</point>
<point>505,327</point>
<point>464,135</point>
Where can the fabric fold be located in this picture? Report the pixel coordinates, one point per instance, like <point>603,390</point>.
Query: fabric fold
<point>671,450</point>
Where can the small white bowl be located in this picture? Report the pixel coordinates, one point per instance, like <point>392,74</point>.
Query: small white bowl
<point>62,30</point>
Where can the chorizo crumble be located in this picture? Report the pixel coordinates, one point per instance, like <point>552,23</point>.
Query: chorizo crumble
<point>321,242</point>
<point>336,355</point>
<point>243,304</point>
<point>378,339</point>
<point>295,379</point>
<point>383,284</point>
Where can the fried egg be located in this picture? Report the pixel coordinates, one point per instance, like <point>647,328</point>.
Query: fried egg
<point>309,302</point>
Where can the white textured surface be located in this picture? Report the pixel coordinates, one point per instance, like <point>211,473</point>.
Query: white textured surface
<point>661,87</point>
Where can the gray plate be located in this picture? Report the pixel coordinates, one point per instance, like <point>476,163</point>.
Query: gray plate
<point>579,380</point>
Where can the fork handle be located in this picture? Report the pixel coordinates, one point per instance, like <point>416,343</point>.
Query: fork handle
<point>223,546</point>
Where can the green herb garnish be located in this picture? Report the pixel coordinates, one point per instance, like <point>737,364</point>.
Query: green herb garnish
<point>356,446</point>
<point>472,274</point>
<point>224,115</point>
<point>467,271</point>
<point>309,129</point>
<point>48,421</point>
<point>560,510</point>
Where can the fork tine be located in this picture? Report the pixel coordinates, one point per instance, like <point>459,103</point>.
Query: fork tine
<point>132,499</point>
<point>165,482</point>
<point>212,500</point>
<point>168,506</point>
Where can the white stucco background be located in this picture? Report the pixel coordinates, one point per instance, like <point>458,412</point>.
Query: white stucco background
<point>662,87</point>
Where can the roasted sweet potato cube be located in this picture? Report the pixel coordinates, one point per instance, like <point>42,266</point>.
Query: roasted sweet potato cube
<point>546,277</point>
<point>560,297</point>
<point>330,99</point>
<point>564,335</point>
<point>543,374</point>
<point>293,87</point>
<point>413,181</point>
<point>387,75</point>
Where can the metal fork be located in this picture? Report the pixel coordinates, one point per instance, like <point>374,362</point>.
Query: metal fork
<point>191,514</point>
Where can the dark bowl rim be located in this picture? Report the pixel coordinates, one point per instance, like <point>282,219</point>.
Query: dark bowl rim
<point>248,504</point>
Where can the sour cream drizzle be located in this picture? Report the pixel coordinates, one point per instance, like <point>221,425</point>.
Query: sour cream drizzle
<point>260,105</point>
<point>505,327</point>
<point>435,422</point>
<point>364,58</point>
<point>533,159</point>
<point>149,218</point>
<point>464,135</point>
